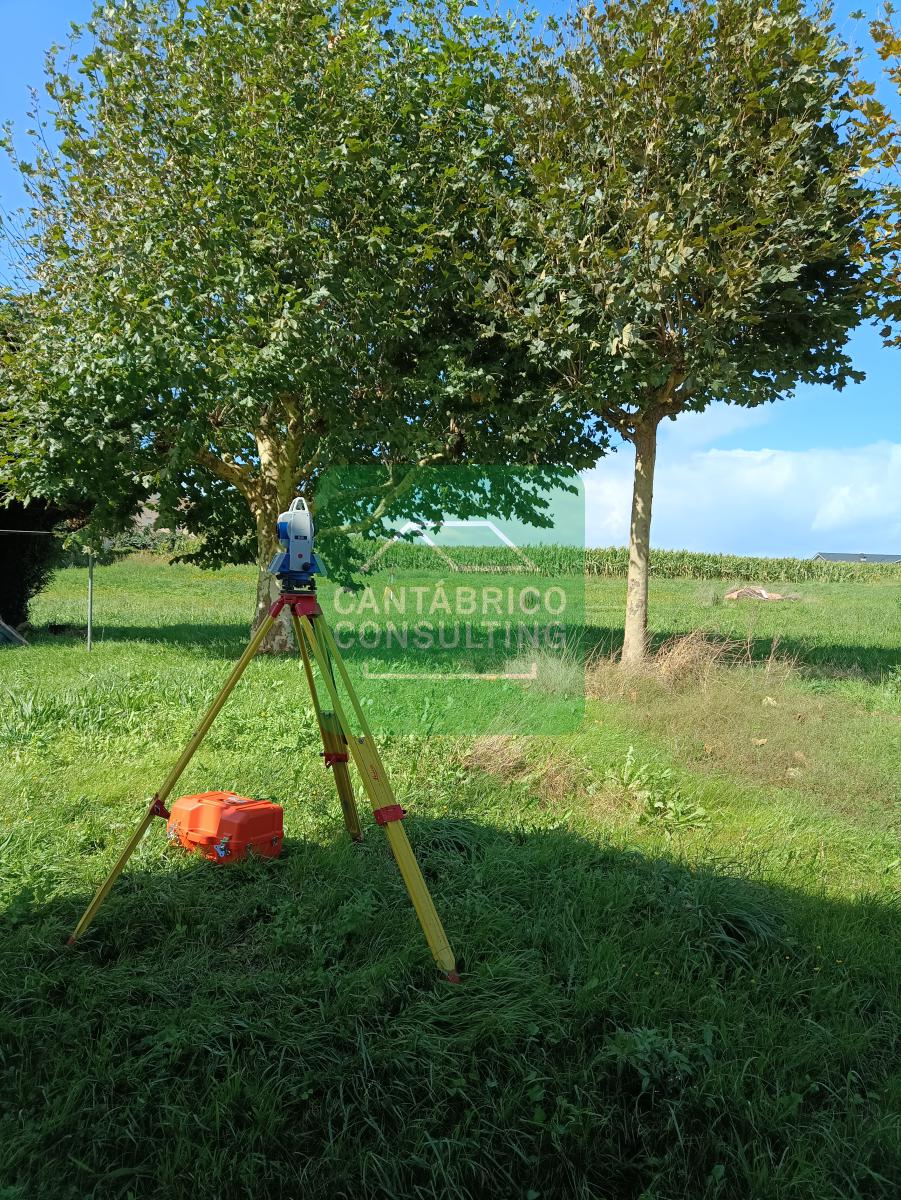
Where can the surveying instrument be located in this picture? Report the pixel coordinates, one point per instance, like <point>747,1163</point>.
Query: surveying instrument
<point>295,567</point>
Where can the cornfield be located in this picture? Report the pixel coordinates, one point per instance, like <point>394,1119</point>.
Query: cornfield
<point>612,563</point>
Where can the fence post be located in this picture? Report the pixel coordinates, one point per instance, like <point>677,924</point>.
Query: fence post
<point>90,597</point>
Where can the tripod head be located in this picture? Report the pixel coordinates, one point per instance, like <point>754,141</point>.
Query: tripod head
<point>296,565</point>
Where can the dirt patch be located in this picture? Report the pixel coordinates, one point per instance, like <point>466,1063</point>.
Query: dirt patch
<point>753,592</point>
<point>554,779</point>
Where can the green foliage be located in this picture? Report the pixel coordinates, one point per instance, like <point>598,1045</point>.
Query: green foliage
<point>659,794</point>
<point>148,540</point>
<point>882,129</point>
<point>671,808</point>
<point>691,218</point>
<point>690,225</point>
<point>145,540</point>
<point>27,560</point>
<point>256,255</point>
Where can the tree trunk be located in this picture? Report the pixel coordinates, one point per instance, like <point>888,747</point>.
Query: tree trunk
<point>635,643</point>
<point>280,640</point>
<point>268,492</point>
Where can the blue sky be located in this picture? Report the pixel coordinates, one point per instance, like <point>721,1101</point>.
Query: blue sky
<point>819,471</point>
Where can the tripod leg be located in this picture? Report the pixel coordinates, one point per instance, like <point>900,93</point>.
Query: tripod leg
<point>156,808</point>
<point>334,744</point>
<point>384,804</point>
<point>103,891</point>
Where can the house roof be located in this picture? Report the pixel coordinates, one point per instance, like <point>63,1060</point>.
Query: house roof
<point>876,558</point>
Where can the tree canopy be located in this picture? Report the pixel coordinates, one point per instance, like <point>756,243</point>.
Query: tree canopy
<point>277,235</point>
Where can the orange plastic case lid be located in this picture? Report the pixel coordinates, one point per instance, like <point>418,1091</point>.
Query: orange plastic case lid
<point>224,818</point>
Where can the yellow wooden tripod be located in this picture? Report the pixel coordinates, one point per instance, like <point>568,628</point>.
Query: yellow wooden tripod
<point>316,643</point>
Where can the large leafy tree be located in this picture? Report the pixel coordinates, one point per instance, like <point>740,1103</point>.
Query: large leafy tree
<point>255,254</point>
<point>690,217</point>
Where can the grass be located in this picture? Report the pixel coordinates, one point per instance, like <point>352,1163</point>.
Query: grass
<point>681,961</point>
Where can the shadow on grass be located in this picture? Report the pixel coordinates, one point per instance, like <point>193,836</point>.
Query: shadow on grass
<point>218,639</point>
<point>223,640</point>
<point>228,640</point>
<point>627,1026</point>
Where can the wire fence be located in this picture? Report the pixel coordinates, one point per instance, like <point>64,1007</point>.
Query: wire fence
<point>564,561</point>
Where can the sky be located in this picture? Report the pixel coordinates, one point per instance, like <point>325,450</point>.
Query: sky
<point>818,471</point>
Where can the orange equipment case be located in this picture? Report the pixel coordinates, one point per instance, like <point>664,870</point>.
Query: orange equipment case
<point>223,827</point>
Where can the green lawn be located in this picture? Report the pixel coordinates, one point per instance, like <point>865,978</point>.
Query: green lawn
<point>678,927</point>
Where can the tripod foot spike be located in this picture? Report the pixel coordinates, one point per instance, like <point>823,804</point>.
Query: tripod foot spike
<point>70,940</point>
<point>452,976</point>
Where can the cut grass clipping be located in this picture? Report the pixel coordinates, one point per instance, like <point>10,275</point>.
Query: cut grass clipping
<point>680,970</point>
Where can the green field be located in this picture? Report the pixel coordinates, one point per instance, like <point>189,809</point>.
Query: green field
<point>678,926</point>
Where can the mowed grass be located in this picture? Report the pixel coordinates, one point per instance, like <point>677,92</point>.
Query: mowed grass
<point>680,948</point>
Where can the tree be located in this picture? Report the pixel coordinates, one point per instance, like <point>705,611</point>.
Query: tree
<point>26,559</point>
<point>690,219</point>
<point>255,254</point>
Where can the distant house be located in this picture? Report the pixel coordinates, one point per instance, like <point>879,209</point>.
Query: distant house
<point>874,558</point>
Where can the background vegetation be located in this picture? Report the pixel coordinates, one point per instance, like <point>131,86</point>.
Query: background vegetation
<point>263,238</point>
<point>613,562</point>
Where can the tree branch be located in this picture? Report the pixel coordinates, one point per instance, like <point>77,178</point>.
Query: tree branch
<point>390,493</point>
<point>234,473</point>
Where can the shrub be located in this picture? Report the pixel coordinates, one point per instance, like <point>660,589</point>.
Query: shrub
<point>27,560</point>
<point>143,540</point>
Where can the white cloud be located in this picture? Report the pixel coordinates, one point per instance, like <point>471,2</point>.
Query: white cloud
<point>693,430</point>
<point>756,501</point>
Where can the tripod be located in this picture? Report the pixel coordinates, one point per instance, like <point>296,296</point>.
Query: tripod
<point>316,644</point>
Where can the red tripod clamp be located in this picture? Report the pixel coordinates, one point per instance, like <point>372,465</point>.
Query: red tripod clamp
<point>158,809</point>
<point>390,812</point>
<point>334,756</point>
